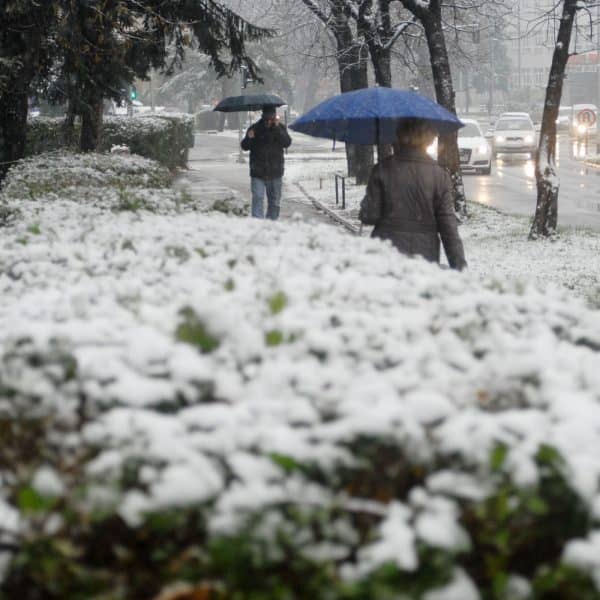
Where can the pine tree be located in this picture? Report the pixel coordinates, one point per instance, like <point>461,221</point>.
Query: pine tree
<point>25,53</point>
<point>98,47</point>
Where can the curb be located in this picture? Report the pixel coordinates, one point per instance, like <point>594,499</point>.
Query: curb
<point>330,213</point>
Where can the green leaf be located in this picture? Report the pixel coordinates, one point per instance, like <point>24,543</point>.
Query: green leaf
<point>273,337</point>
<point>547,455</point>
<point>193,331</point>
<point>277,302</point>
<point>498,456</point>
<point>537,505</point>
<point>29,500</point>
<point>287,463</point>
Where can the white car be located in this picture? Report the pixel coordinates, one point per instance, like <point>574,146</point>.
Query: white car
<point>514,133</point>
<point>474,152</point>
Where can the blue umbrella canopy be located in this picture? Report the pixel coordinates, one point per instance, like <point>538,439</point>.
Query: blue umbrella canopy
<point>248,102</point>
<point>371,115</point>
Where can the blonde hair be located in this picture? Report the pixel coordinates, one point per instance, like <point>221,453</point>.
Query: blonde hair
<point>415,133</point>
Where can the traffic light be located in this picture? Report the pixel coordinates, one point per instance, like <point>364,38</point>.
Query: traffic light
<point>133,93</point>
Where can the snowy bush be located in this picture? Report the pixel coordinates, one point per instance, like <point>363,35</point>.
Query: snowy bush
<point>165,137</point>
<point>105,181</point>
<point>242,406</point>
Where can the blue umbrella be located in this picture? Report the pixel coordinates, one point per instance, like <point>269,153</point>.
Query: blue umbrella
<point>370,116</point>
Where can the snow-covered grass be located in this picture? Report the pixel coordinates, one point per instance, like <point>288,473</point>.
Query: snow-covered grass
<point>238,403</point>
<point>496,244</point>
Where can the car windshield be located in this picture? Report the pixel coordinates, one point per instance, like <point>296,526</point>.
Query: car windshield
<point>513,124</point>
<point>469,130</point>
<point>564,112</point>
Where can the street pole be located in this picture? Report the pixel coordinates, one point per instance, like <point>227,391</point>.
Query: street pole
<point>519,45</point>
<point>597,77</point>
<point>240,158</point>
<point>151,93</point>
<point>492,68</point>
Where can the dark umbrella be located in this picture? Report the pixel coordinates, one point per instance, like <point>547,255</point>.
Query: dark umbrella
<point>371,115</point>
<point>249,102</point>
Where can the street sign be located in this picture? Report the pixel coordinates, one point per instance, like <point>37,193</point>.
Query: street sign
<point>586,117</point>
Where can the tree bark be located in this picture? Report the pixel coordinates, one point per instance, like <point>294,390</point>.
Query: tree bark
<point>378,36</point>
<point>13,127</point>
<point>444,92</point>
<point>91,125</point>
<point>351,56</point>
<point>352,64</point>
<point>546,177</point>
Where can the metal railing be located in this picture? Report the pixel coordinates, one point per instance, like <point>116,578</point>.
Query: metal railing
<point>339,176</point>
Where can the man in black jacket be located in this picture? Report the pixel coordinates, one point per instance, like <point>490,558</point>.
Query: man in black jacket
<point>266,140</point>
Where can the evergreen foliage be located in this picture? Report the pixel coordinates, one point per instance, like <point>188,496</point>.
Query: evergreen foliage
<point>84,51</point>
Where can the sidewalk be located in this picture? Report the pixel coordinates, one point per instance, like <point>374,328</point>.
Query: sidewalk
<point>214,194</point>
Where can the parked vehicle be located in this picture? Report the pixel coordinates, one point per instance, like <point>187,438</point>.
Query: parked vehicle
<point>474,152</point>
<point>584,120</point>
<point>514,133</point>
<point>563,121</point>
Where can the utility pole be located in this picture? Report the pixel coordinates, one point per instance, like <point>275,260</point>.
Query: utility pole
<point>492,72</point>
<point>240,158</point>
<point>597,76</point>
<point>519,44</point>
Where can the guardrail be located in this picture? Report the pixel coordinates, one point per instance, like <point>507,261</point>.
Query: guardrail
<point>339,176</point>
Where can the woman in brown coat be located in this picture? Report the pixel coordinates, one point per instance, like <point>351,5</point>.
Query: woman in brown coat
<point>409,199</point>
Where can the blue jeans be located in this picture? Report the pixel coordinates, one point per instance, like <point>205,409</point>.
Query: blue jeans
<point>273,189</point>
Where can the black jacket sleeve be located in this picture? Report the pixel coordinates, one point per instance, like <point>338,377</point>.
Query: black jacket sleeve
<point>447,225</point>
<point>247,142</point>
<point>284,136</point>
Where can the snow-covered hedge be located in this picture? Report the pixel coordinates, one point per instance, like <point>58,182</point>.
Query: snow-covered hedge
<point>162,137</point>
<point>271,410</point>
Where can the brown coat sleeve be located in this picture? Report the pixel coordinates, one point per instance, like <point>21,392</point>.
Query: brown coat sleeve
<point>447,223</point>
<point>371,207</point>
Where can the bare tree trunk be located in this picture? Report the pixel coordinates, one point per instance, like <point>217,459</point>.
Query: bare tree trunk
<point>351,55</point>
<point>444,92</point>
<point>352,64</point>
<point>378,38</point>
<point>91,126</point>
<point>546,176</point>
<point>13,127</point>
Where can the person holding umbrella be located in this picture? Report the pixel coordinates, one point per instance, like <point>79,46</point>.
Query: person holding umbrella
<point>266,140</point>
<point>409,198</point>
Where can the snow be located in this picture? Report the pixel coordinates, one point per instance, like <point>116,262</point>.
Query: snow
<point>585,554</point>
<point>396,544</point>
<point>46,482</point>
<point>443,365</point>
<point>460,588</point>
<point>496,244</point>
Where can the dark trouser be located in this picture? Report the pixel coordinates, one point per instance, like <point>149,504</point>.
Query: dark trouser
<point>273,189</point>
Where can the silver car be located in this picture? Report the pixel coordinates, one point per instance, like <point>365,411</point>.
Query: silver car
<point>514,134</point>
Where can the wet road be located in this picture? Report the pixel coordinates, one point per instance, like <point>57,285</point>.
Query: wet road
<point>511,186</point>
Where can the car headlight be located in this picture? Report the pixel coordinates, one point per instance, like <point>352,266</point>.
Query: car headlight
<point>432,149</point>
<point>529,139</point>
<point>500,138</point>
<point>581,128</point>
<point>483,149</point>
